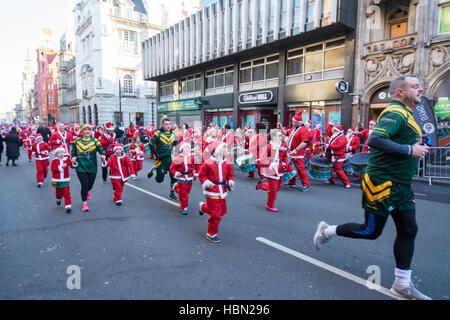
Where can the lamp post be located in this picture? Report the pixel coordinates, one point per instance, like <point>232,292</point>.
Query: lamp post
<point>120,104</point>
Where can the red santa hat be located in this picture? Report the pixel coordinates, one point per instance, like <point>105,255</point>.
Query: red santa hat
<point>59,149</point>
<point>215,146</point>
<point>39,136</point>
<point>118,146</point>
<point>248,128</point>
<point>309,122</point>
<point>137,133</point>
<point>109,126</point>
<point>372,122</point>
<point>152,125</point>
<point>338,128</point>
<point>298,116</point>
<point>184,145</point>
<point>76,125</point>
<point>351,130</point>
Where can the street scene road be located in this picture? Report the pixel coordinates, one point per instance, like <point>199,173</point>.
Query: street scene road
<point>146,249</point>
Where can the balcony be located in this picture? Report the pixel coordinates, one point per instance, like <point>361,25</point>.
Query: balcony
<point>131,93</point>
<point>390,45</point>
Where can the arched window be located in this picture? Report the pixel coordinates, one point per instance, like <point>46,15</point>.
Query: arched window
<point>128,84</point>
<point>89,114</point>
<point>84,114</point>
<point>95,114</point>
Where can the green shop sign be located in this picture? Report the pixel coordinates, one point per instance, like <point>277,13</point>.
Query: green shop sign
<point>179,105</point>
<point>442,109</point>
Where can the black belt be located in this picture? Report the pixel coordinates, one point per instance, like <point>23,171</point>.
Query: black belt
<point>187,172</point>
<point>224,183</point>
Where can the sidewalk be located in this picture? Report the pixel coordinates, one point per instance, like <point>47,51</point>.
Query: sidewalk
<point>442,182</point>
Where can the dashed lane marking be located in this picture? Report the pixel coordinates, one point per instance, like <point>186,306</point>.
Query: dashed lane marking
<point>153,195</point>
<point>327,267</point>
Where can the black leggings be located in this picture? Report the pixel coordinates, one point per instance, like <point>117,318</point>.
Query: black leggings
<point>105,170</point>
<point>87,180</point>
<point>405,223</point>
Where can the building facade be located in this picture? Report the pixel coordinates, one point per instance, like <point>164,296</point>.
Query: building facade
<point>109,81</point>
<point>69,110</point>
<point>249,61</point>
<point>404,37</point>
<point>28,78</point>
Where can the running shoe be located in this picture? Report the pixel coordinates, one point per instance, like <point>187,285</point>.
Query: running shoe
<point>184,212</point>
<point>200,204</point>
<point>291,186</point>
<point>304,189</point>
<point>271,209</point>
<point>150,173</point>
<point>69,209</point>
<point>259,185</point>
<point>58,202</point>
<point>173,197</point>
<point>85,207</point>
<point>118,203</point>
<point>319,237</point>
<point>348,186</point>
<point>213,239</point>
<point>409,292</point>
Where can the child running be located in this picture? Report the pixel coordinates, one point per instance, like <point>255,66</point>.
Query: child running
<point>60,177</point>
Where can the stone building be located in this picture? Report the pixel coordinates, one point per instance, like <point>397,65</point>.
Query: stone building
<point>28,78</point>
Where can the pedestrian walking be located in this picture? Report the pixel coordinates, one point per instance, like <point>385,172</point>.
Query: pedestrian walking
<point>60,177</point>
<point>121,170</point>
<point>395,150</point>
<point>41,152</point>
<point>12,142</point>
<point>1,148</point>
<point>45,132</point>
<point>84,155</point>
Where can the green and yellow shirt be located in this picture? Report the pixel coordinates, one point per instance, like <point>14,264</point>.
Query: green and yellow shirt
<point>396,123</point>
<point>164,142</point>
<point>86,152</point>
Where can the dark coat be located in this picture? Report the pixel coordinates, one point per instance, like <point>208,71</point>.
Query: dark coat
<point>12,141</point>
<point>1,143</point>
<point>46,133</point>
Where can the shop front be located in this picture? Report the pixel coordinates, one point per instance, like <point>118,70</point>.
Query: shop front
<point>319,102</point>
<point>180,111</point>
<point>258,106</point>
<point>218,109</point>
<point>442,112</point>
<point>379,101</point>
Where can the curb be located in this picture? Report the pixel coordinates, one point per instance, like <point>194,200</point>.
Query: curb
<point>433,181</point>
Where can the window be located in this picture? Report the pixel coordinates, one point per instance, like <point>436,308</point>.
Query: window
<point>241,23</point>
<point>310,15</point>
<point>191,83</point>
<point>326,13</point>
<point>220,77</point>
<point>167,88</point>
<point>250,21</point>
<point>259,69</point>
<point>271,17</point>
<point>231,20</point>
<point>127,41</point>
<point>444,25</point>
<point>283,14</point>
<point>260,19</point>
<point>127,84</point>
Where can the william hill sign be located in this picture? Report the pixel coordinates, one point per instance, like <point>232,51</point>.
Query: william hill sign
<point>256,97</point>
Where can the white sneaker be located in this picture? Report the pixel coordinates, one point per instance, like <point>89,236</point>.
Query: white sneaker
<point>348,186</point>
<point>319,237</point>
<point>409,292</point>
<point>200,212</point>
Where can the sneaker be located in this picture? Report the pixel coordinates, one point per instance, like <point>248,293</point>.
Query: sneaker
<point>304,189</point>
<point>348,186</point>
<point>291,186</point>
<point>68,210</point>
<point>213,239</point>
<point>259,185</point>
<point>58,202</point>
<point>150,174</point>
<point>118,203</point>
<point>173,197</point>
<point>271,209</point>
<point>85,207</point>
<point>328,182</point>
<point>319,237</point>
<point>89,195</point>
<point>409,292</point>
<point>40,185</point>
<point>200,212</point>
<point>184,212</point>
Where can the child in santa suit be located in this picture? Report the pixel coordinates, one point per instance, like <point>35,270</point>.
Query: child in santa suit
<point>184,168</point>
<point>121,170</point>
<point>216,176</point>
<point>275,163</point>
<point>60,177</point>
<point>353,145</point>
<point>27,144</point>
<point>136,151</point>
<point>40,151</point>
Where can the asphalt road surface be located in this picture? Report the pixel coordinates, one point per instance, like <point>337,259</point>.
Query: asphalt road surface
<point>147,250</point>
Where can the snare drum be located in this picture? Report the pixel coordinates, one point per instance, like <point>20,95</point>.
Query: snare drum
<point>290,174</point>
<point>359,162</point>
<point>246,163</point>
<point>320,168</point>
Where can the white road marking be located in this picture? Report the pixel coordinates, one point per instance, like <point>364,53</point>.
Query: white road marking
<point>420,194</point>
<point>153,195</point>
<point>327,267</point>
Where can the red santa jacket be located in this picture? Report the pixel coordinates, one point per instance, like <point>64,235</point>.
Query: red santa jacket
<point>215,172</point>
<point>275,161</point>
<point>61,139</point>
<point>121,167</point>
<point>256,145</point>
<point>136,152</point>
<point>108,143</point>
<point>353,144</point>
<point>338,147</point>
<point>185,168</point>
<point>295,137</point>
<point>365,135</point>
<point>60,173</point>
<point>41,150</point>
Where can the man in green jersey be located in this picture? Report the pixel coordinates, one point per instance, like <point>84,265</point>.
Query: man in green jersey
<point>161,145</point>
<point>396,147</point>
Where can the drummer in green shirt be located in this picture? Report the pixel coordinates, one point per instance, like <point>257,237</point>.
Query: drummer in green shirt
<point>395,149</point>
<point>84,152</point>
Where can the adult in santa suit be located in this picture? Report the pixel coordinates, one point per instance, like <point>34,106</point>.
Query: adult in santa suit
<point>338,147</point>
<point>121,170</point>
<point>136,151</point>
<point>108,141</point>
<point>317,139</point>
<point>353,142</point>
<point>150,130</point>
<point>309,146</point>
<point>61,138</point>
<point>215,175</point>
<point>41,152</point>
<point>364,134</point>
<point>274,163</point>
<point>184,169</point>
<point>76,132</point>
<point>257,144</point>
<point>297,141</point>
<point>27,143</point>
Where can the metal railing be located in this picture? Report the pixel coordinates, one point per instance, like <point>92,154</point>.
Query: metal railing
<point>436,164</point>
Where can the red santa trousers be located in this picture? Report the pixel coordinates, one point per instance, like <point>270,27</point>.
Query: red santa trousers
<point>29,152</point>
<point>118,188</point>
<point>183,189</point>
<point>137,165</point>
<point>299,163</point>
<point>337,167</point>
<point>41,170</point>
<point>64,193</point>
<point>272,187</point>
<point>216,208</point>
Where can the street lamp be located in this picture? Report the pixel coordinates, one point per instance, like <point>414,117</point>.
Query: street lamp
<point>120,104</point>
